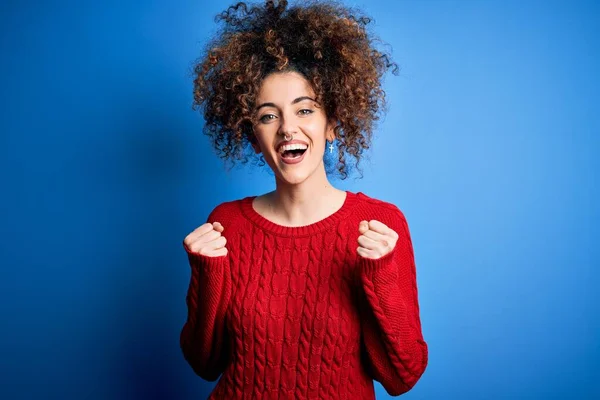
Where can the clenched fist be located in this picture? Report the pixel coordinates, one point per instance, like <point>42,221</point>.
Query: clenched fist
<point>376,239</point>
<point>207,240</point>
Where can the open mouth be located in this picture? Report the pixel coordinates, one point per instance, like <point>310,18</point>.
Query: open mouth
<point>292,151</point>
<point>291,154</point>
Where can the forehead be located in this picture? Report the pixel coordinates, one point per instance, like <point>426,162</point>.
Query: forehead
<point>284,86</point>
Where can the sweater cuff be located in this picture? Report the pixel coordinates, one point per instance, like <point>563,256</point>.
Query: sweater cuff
<point>379,268</point>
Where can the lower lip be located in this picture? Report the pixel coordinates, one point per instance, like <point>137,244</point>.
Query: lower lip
<point>293,160</point>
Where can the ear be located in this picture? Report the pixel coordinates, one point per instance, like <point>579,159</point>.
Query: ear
<point>331,130</point>
<point>256,147</point>
<point>254,144</point>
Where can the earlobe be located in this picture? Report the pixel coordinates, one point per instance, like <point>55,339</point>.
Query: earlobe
<point>331,136</point>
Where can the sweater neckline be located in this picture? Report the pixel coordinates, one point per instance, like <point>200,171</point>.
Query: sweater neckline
<point>297,231</point>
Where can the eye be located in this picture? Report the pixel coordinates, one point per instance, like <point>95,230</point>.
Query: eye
<point>267,117</point>
<point>263,120</point>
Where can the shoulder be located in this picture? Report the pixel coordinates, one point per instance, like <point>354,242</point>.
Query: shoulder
<point>227,212</point>
<point>377,204</point>
<point>369,208</point>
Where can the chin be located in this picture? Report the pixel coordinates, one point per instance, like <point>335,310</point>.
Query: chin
<point>293,178</point>
<point>293,174</point>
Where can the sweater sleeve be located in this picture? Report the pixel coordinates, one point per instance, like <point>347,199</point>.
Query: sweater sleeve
<point>204,337</point>
<point>393,342</point>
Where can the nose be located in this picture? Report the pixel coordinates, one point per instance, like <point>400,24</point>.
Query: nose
<point>287,125</point>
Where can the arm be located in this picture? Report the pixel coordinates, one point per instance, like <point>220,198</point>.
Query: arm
<point>203,338</point>
<point>393,341</point>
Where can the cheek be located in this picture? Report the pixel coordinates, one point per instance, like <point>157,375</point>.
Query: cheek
<point>261,138</point>
<point>316,132</point>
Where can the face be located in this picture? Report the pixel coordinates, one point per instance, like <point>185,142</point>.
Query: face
<point>285,104</point>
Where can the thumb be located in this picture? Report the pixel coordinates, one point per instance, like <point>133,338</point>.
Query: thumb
<point>363,227</point>
<point>218,227</point>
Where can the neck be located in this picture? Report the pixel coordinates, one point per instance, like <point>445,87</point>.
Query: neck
<point>306,202</point>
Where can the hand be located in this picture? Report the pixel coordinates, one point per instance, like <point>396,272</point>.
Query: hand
<point>207,240</point>
<point>376,239</point>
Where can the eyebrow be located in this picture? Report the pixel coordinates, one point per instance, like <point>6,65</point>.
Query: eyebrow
<point>298,100</point>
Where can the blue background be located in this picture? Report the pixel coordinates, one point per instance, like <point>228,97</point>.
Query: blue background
<point>490,149</point>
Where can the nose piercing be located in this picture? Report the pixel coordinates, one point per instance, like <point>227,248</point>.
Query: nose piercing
<point>287,137</point>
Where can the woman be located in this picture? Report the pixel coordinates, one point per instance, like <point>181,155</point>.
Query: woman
<point>307,291</point>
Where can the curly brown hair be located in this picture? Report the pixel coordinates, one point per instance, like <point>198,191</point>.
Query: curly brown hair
<point>325,41</point>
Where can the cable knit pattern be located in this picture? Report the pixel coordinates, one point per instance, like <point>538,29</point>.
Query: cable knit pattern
<point>295,312</point>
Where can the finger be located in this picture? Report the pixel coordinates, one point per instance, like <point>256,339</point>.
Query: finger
<point>380,227</point>
<point>208,248</point>
<point>377,236</point>
<point>366,242</point>
<point>218,227</point>
<point>219,243</point>
<point>221,252</point>
<point>363,227</point>
<point>366,253</point>
<point>210,236</point>
<point>371,244</point>
<point>194,239</point>
<point>202,229</point>
<point>196,233</point>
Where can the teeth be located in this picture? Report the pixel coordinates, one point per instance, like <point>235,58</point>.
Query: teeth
<point>295,146</point>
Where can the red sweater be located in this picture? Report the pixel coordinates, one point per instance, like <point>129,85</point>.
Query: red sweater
<point>295,312</point>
